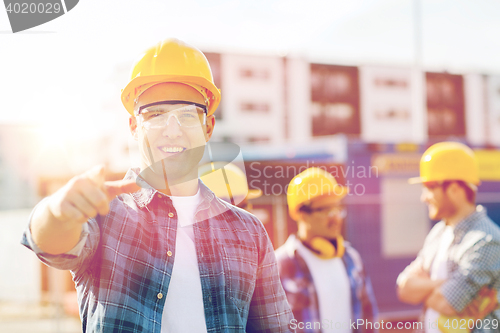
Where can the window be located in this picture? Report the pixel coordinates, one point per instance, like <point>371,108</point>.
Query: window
<point>255,107</point>
<point>254,73</point>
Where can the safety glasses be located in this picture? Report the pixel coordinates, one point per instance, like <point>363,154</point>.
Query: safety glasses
<point>338,211</point>
<point>157,115</point>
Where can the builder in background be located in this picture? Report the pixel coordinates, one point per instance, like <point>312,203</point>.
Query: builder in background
<point>456,275</point>
<point>322,274</point>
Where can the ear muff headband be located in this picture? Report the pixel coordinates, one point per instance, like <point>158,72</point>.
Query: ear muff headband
<point>326,250</point>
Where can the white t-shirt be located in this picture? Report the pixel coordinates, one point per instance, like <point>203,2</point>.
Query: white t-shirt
<point>439,272</point>
<point>184,311</point>
<point>333,289</point>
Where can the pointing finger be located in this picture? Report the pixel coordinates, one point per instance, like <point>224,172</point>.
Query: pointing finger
<point>95,196</point>
<point>115,188</point>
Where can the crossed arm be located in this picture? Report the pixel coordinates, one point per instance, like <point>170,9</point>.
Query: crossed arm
<point>415,286</point>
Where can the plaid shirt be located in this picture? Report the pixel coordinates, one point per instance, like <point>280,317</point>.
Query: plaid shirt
<point>123,271</point>
<point>473,261</point>
<point>301,292</point>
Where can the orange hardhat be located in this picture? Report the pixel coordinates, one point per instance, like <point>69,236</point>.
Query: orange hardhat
<point>227,181</point>
<point>448,161</point>
<point>171,60</point>
<point>309,184</point>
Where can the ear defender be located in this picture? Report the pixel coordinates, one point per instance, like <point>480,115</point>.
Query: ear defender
<point>328,249</point>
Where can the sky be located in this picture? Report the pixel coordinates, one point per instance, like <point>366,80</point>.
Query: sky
<point>63,73</point>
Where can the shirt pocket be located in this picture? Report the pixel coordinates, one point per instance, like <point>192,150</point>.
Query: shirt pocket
<point>240,263</point>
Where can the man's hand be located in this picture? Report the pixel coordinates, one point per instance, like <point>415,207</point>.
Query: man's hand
<point>416,286</point>
<point>56,228</point>
<point>87,195</point>
<point>439,303</point>
<point>419,272</point>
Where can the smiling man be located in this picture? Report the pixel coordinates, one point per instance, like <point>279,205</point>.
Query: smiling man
<point>171,256</point>
<point>456,275</point>
<point>172,127</point>
<point>322,274</point>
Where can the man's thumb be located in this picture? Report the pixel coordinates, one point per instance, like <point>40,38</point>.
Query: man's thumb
<point>117,187</point>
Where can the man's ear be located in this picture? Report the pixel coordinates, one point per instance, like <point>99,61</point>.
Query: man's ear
<point>209,127</point>
<point>454,190</point>
<point>132,124</point>
<point>453,187</point>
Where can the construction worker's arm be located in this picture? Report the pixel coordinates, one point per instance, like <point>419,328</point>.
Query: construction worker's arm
<point>56,225</point>
<point>269,310</point>
<point>478,268</point>
<point>414,285</point>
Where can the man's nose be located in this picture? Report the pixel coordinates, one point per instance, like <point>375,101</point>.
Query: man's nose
<point>334,218</point>
<point>424,197</point>
<point>172,128</point>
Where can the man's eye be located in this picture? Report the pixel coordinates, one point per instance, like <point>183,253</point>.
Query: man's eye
<point>188,115</point>
<point>151,115</point>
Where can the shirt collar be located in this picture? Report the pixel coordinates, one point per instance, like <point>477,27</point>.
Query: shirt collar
<point>145,195</point>
<point>467,223</point>
<point>291,245</point>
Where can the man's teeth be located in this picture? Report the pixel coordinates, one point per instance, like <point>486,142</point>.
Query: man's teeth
<point>172,149</point>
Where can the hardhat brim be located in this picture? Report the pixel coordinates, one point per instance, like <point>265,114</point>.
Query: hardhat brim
<point>254,194</point>
<point>420,180</point>
<point>128,97</point>
<point>339,195</point>
<point>415,180</point>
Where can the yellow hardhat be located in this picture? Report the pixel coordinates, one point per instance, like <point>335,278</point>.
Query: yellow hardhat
<point>235,188</point>
<point>448,161</point>
<point>171,60</point>
<point>309,184</point>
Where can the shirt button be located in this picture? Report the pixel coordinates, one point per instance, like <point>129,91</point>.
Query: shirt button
<point>170,214</point>
<point>160,295</point>
<point>210,299</point>
<point>169,253</point>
